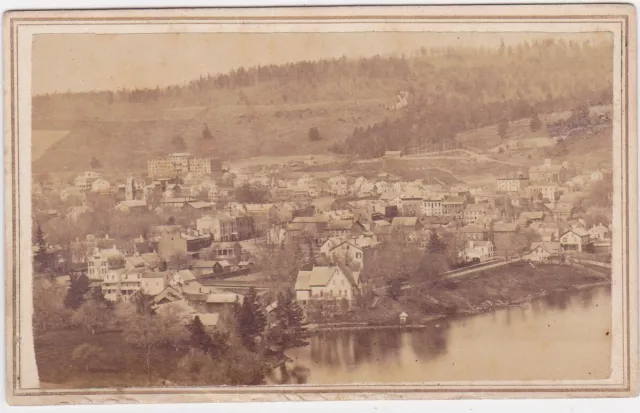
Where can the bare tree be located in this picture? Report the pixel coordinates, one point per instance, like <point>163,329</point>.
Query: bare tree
<point>92,316</point>
<point>146,332</point>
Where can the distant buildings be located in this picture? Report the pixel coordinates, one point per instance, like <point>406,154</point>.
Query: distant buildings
<point>548,173</point>
<point>85,181</point>
<point>182,163</point>
<point>512,184</point>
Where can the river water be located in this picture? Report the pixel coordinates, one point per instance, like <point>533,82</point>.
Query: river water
<point>562,336</point>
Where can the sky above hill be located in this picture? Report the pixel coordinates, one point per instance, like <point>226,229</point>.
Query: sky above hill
<point>86,62</point>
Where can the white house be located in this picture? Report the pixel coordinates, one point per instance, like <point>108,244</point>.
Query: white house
<point>100,186</point>
<point>391,199</point>
<point>85,181</point>
<point>349,251</point>
<point>599,232</point>
<point>382,186</point>
<point>101,262</point>
<point>338,185</point>
<point>542,251</point>
<point>477,251</point>
<point>71,191</point>
<point>326,283</point>
<point>575,239</point>
<point>152,283</point>
<point>181,278</point>
<point>132,205</point>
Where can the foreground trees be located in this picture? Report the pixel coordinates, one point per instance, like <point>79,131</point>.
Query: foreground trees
<point>251,320</point>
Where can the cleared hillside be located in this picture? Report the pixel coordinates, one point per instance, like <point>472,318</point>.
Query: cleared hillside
<point>267,111</point>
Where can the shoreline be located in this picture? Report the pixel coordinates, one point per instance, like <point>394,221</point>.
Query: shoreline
<point>428,320</point>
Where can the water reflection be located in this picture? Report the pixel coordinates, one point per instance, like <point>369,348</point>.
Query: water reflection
<point>537,340</point>
<point>559,300</point>
<point>430,342</point>
<point>350,348</point>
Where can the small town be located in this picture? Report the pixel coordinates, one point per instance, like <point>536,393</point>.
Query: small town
<point>203,269</point>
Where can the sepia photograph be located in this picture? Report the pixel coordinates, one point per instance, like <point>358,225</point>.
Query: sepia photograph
<point>378,200</point>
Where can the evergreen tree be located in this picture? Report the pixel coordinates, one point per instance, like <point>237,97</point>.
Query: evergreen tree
<point>251,320</point>
<point>314,134</point>
<point>199,337</point>
<point>95,163</point>
<point>143,303</point>
<point>219,344</point>
<point>289,331</point>
<point>178,143</point>
<point>206,133</point>
<point>503,128</point>
<point>436,245</point>
<point>41,258</point>
<point>535,123</point>
<point>76,294</point>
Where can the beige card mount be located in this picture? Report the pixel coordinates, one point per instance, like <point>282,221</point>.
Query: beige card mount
<point>320,203</point>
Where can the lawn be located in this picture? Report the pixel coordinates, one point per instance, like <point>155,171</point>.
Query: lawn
<point>122,366</point>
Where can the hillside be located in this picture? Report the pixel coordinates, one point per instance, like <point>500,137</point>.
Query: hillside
<point>267,111</point>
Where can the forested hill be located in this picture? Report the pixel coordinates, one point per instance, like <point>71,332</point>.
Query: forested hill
<point>269,110</point>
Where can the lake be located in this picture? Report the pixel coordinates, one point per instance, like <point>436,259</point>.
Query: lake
<point>561,336</point>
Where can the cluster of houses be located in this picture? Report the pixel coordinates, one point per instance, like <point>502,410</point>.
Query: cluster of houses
<point>342,220</point>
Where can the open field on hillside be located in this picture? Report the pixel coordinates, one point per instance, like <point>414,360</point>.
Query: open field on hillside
<point>41,140</point>
<point>239,131</point>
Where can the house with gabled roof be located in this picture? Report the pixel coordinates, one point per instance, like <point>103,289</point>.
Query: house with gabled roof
<point>542,251</point>
<point>477,251</point>
<point>350,251</point>
<point>168,295</point>
<point>326,284</point>
<point>575,240</point>
<point>473,232</point>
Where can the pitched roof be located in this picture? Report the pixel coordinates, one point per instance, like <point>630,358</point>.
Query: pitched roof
<point>532,215</point>
<point>550,247</point>
<point>136,261</point>
<point>186,275</point>
<point>152,259</point>
<point>505,227</point>
<point>340,224</point>
<point>404,221</point>
<point>320,276</point>
<point>204,264</point>
<point>224,298</point>
<point>133,203</point>
<point>471,228</point>
<point>381,223</point>
<point>323,202</point>
<point>388,196</point>
<point>302,281</point>
<point>581,232</point>
<point>151,274</point>
<point>201,204</point>
<point>179,307</point>
<point>168,291</point>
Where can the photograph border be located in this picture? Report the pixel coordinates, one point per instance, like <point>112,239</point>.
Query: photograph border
<point>623,14</point>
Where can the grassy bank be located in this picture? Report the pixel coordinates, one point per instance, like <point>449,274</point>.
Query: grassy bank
<point>505,286</point>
